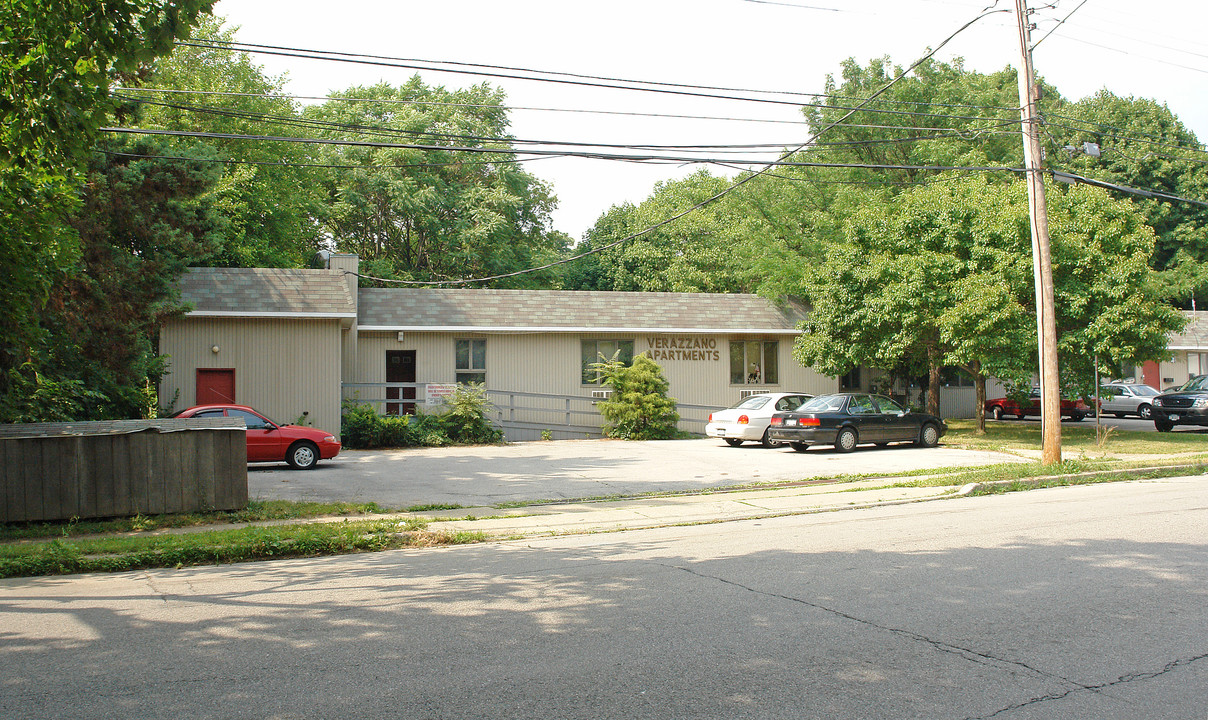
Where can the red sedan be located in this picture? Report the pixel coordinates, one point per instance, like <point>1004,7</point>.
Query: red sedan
<point>267,441</point>
<point>1075,410</point>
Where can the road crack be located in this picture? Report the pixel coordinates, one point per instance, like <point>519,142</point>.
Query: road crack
<point>1122,680</point>
<point>969,654</point>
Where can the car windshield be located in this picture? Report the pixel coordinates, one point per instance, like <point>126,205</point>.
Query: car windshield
<point>1196,383</point>
<point>823,403</point>
<point>752,403</point>
<point>1144,390</point>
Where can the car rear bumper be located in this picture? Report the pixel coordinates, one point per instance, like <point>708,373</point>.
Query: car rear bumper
<point>809,436</point>
<point>734,430</point>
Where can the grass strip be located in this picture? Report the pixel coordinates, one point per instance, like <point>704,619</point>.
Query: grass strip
<point>1008,435</point>
<point>1048,479</point>
<point>114,554</point>
<point>256,511</point>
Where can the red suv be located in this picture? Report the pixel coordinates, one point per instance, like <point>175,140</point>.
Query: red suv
<point>267,441</point>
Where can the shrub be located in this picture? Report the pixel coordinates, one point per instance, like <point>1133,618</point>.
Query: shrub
<point>466,417</point>
<point>638,408</point>
<point>463,421</point>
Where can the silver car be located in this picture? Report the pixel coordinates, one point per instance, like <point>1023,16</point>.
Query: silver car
<point>1122,399</point>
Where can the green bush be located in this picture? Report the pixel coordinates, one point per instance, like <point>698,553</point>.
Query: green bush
<point>464,421</point>
<point>638,408</point>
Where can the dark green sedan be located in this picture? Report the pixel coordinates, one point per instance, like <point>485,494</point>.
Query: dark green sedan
<point>846,420</point>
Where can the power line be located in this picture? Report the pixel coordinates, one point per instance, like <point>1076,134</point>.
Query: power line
<point>240,46</point>
<point>656,87</point>
<point>1059,24</point>
<point>511,108</point>
<point>782,162</point>
<point>1116,133</point>
<point>717,196</point>
<point>938,133</point>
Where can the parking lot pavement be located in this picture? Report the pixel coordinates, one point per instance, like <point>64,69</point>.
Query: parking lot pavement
<point>484,475</point>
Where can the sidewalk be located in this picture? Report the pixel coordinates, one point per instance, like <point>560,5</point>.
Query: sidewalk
<point>722,506</point>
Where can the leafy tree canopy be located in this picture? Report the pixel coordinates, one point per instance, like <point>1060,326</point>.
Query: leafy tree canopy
<point>428,213</point>
<point>942,275</point>
<point>267,195</point>
<point>58,61</point>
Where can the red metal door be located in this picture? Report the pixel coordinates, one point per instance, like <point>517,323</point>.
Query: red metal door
<point>215,386</point>
<point>1152,375</point>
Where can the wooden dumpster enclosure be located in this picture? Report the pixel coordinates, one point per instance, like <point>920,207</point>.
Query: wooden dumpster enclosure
<point>59,471</point>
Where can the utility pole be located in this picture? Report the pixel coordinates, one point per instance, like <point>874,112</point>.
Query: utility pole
<point>1042,266</point>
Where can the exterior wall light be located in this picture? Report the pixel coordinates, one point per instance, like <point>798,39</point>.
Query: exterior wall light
<point>214,349</point>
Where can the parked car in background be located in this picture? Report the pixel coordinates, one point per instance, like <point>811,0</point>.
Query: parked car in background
<point>1122,399</point>
<point>748,420</point>
<point>267,441</point>
<point>1187,405</point>
<point>846,420</point>
<point>997,408</point>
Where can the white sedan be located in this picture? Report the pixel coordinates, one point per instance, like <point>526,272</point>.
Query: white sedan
<point>749,419</point>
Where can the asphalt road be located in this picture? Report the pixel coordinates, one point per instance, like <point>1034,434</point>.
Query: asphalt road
<point>1081,602</point>
<point>570,469</point>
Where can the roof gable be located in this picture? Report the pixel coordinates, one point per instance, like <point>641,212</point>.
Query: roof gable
<point>267,292</point>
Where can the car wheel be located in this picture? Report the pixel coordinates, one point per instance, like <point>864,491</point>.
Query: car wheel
<point>1163,426</point>
<point>1145,411</point>
<point>1077,417</point>
<point>1020,417</point>
<point>768,442</point>
<point>733,442</point>
<point>799,446</point>
<point>1143,414</point>
<point>302,456</point>
<point>929,435</point>
<point>997,412</point>
<point>846,440</point>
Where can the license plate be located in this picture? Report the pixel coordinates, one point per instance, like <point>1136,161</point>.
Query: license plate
<point>1173,418</point>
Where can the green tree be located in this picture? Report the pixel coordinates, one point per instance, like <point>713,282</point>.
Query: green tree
<point>938,115</point>
<point>269,199</point>
<point>638,408</point>
<point>143,220</point>
<point>429,212</point>
<point>725,246</point>
<point>1143,145</point>
<point>58,60</point>
<point>942,276</point>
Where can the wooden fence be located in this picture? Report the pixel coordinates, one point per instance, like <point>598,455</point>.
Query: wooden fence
<point>59,471</point>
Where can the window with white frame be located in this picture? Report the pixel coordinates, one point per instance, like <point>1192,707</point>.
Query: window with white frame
<point>594,351</point>
<point>754,362</point>
<point>471,360</point>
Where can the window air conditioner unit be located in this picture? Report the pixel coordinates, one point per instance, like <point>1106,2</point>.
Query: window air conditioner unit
<point>744,394</point>
<point>600,394</point>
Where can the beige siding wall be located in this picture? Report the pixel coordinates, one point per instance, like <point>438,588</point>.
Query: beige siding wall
<point>550,363</point>
<point>1183,366</point>
<point>282,367</point>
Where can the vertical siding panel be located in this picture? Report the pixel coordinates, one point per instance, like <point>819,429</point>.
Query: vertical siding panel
<point>282,367</point>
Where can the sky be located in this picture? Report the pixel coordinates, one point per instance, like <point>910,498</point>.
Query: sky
<point>1153,50</point>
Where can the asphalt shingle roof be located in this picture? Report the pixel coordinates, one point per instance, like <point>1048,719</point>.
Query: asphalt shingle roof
<point>258,292</point>
<point>554,310</point>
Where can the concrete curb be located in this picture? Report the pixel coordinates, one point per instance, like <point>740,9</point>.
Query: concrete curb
<point>974,487</point>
